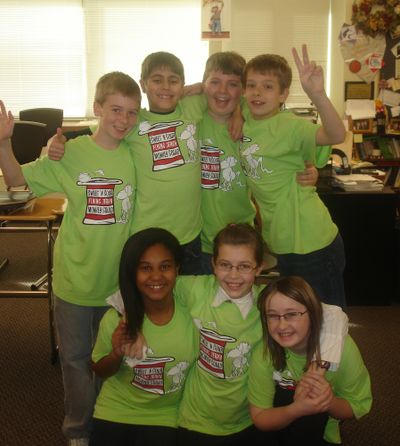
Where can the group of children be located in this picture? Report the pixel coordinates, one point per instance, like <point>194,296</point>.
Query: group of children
<point>174,169</point>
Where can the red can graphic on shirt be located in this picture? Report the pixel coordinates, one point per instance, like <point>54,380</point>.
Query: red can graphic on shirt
<point>210,167</point>
<point>212,348</point>
<point>99,200</point>
<point>149,374</point>
<point>164,144</point>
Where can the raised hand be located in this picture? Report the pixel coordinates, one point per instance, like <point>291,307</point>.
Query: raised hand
<point>6,123</point>
<point>56,146</point>
<point>311,75</point>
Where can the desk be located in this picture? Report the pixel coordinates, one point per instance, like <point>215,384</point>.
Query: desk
<point>44,210</point>
<point>367,223</point>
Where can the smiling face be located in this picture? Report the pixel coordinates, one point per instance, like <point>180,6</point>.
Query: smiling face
<point>156,275</point>
<point>263,94</point>
<point>117,116</point>
<point>163,88</point>
<point>292,334</point>
<point>223,93</point>
<point>236,284</point>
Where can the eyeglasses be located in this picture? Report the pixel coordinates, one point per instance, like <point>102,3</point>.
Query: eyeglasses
<point>242,268</point>
<point>292,316</point>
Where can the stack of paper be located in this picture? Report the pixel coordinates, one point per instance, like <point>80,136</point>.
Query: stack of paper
<point>357,182</point>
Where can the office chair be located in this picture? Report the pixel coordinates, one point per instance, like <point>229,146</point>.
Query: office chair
<point>28,140</point>
<point>52,117</point>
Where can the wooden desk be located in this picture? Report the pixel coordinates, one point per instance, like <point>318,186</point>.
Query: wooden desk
<point>367,223</point>
<point>46,211</point>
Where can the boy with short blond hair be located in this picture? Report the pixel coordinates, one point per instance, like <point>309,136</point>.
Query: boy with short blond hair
<point>166,154</point>
<point>295,223</point>
<point>98,176</point>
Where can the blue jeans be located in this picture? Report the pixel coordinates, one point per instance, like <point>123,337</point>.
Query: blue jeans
<point>322,269</point>
<point>76,334</point>
<point>191,264</point>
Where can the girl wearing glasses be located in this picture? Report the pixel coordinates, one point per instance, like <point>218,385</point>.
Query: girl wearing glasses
<point>214,409</point>
<point>303,408</point>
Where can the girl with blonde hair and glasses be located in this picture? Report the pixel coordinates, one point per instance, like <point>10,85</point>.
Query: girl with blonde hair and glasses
<point>290,394</point>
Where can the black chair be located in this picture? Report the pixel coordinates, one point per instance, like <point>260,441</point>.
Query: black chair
<point>52,117</point>
<point>28,140</point>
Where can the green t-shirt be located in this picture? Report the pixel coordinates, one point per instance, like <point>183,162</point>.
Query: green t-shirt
<point>215,396</point>
<point>225,197</point>
<point>150,393</point>
<point>294,219</point>
<point>351,382</point>
<point>100,186</point>
<point>167,160</point>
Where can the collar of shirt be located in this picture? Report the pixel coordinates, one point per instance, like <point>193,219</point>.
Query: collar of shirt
<point>244,303</point>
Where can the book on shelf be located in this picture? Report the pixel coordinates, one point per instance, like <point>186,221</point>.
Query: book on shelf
<point>396,183</point>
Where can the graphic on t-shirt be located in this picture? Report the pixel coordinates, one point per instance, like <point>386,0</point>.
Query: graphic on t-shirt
<point>210,166</point>
<point>188,135</point>
<point>212,349</point>
<point>240,358</point>
<point>178,375</point>
<point>284,383</point>
<point>100,208</point>
<point>164,144</point>
<point>252,164</point>
<point>126,205</point>
<point>148,375</point>
<point>228,174</point>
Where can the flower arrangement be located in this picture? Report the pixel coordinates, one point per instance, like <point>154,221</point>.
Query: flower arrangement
<point>374,17</point>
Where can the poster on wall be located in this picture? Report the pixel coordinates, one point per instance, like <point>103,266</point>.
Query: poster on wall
<point>215,19</point>
<point>363,54</point>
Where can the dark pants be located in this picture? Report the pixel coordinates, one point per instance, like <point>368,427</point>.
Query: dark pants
<point>307,430</point>
<point>322,269</point>
<point>107,433</point>
<point>249,436</point>
<point>191,264</point>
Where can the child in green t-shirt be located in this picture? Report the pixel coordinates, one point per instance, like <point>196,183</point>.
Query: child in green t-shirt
<point>138,403</point>
<point>98,177</point>
<point>295,223</point>
<point>225,197</point>
<point>303,408</point>
<point>167,157</point>
<point>214,407</point>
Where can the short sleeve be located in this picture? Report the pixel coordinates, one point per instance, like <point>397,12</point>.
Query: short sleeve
<point>352,382</point>
<point>261,388</point>
<point>103,345</point>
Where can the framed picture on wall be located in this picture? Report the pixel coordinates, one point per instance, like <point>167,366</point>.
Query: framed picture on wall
<point>361,125</point>
<point>394,125</point>
<point>358,90</point>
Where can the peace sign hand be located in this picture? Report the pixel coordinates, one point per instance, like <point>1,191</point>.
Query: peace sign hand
<point>311,75</point>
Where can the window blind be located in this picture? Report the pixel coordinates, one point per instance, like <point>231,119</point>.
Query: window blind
<point>121,33</point>
<point>42,55</point>
<point>53,51</point>
<point>275,26</point>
